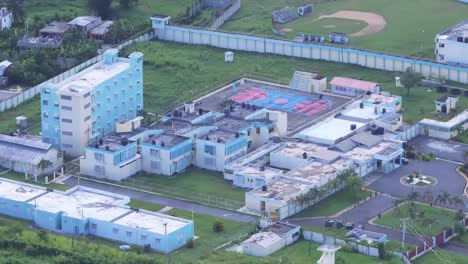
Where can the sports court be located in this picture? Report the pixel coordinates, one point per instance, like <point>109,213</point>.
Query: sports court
<point>283,101</point>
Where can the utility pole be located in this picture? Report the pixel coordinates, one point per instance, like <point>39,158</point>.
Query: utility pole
<point>403,239</point>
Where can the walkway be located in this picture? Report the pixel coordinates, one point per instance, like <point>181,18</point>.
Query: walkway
<point>166,201</point>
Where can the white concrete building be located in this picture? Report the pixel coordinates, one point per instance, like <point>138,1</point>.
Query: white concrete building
<point>352,87</point>
<point>6,18</point>
<point>452,45</point>
<point>446,104</point>
<point>445,130</point>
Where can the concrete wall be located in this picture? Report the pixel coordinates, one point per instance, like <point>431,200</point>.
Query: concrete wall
<point>310,51</point>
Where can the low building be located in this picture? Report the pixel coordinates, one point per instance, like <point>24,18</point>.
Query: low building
<point>452,45</point>
<point>101,31</point>
<point>4,67</point>
<point>308,82</point>
<point>252,177</point>
<point>446,104</point>
<point>84,24</point>
<point>339,38</point>
<point>305,9</point>
<point>51,36</point>
<point>445,130</point>
<point>6,18</point>
<point>353,87</point>
<point>27,154</point>
<point>271,239</point>
<point>85,211</point>
<point>54,29</point>
<point>368,236</point>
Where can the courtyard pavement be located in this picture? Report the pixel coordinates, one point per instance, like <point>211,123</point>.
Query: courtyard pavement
<point>444,149</point>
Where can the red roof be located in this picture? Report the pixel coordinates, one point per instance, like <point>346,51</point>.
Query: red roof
<point>353,83</point>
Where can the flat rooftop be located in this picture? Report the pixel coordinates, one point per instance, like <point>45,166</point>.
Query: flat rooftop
<point>102,28</point>
<point>279,228</point>
<point>378,99</point>
<point>220,136</point>
<point>367,112</point>
<point>317,173</point>
<point>297,150</point>
<point>112,143</point>
<point>179,127</point>
<point>169,140</point>
<point>152,222</point>
<point>88,79</point>
<point>55,28</point>
<point>353,83</point>
<point>364,154</point>
<point>267,172</point>
<point>331,129</point>
<point>83,20</point>
<point>260,152</point>
<point>82,204</point>
<point>19,192</point>
<point>459,30</point>
<point>456,120</point>
<point>233,124</point>
<point>263,239</point>
<point>281,189</point>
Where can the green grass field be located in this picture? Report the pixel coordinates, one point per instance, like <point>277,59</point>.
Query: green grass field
<point>411,25</point>
<point>193,181</point>
<point>333,204</point>
<point>463,137</point>
<point>442,256</point>
<point>135,203</point>
<point>432,223</point>
<point>323,26</point>
<point>20,177</point>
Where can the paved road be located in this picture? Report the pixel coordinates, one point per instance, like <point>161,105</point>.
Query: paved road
<point>166,201</point>
<point>441,148</point>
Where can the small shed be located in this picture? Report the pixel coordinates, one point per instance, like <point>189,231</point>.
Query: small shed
<point>446,104</point>
<point>339,38</point>
<point>54,29</point>
<point>304,10</point>
<point>229,56</point>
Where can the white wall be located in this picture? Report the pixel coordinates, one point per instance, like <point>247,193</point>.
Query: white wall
<point>111,171</point>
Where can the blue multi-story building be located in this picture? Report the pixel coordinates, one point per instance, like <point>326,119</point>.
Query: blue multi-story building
<point>86,106</point>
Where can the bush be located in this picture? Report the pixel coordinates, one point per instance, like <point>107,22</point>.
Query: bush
<point>441,89</point>
<point>190,244</point>
<point>382,251</point>
<point>348,249</point>
<point>455,91</point>
<point>218,226</point>
<point>465,93</point>
<point>411,154</point>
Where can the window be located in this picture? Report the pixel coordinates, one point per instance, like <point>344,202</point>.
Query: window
<point>67,145</point>
<point>98,156</point>
<point>143,237</point>
<point>67,133</point>
<point>67,120</point>
<point>248,132</point>
<point>210,162</point>
<point>129,234</point>
<point>66,97</point>
<point>271,130</point>
<point>180,236</point>
<point>249,144</point>
<point>210,149</point>
<point>45,102</point>
<point>123,91</point>
<point>154,153</point>
<point>87,105</point>
<point>157,240</point>
<point>155,165</point>
<point>99,169</point>
<point>87,94</point>
<point>87,118</point>
<point>45,114</point>
<point>258,130</point>
<point>115,231</point>
<point>45,126</point>
<point>93,226</point>
<point>108,99</point>
<point>66,108</point>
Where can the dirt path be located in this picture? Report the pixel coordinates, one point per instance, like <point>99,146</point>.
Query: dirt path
<point>375,22</point>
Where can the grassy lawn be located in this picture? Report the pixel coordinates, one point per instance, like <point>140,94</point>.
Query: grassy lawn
<point>20,177</point>
<point>432,223</point>
<point>135,203</point>
<point>462,239</point>
<point>193,181</point>
<point>410,30</point>
<point>333,204</point>
<point>462,138</point>
<point>432,258</point>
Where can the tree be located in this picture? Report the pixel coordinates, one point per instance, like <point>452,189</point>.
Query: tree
<point>128,3</point>
<point>14,230</point>
<point>413,196</point>
<point>457,201</point>
<point>101,7</point>
<point>428,196</point>
<point>17,7</point>
<point>409,79</point>
<point>44,164</point>
<point>43,235</point>
<point>218,226</point>
<point>355,183</point>
<point>443,197</point>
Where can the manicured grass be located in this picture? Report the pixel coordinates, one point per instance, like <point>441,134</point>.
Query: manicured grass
<point>333,204</point>
<point>135,203</point>
<point>30,109</point>
<point>20,177</point>
<point>432,223</point>
<point>193,181</point>
<point>324,26</point>
<point>411,25</point>
<point>441,257</point>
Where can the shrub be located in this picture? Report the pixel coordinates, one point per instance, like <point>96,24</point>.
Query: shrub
<point>455,91</point>
<point>218,226</point>
<point>190,244</point>
<point>465,93</point>
<point>441,89</point>
<point>411,154</point>
<point>382,251</point>
<point>348,249</point>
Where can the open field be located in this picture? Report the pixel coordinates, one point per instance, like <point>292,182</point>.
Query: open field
<point>323,27</point>
<point>441,257</point>
<point>410,30</point>
<point>431,223</point>
<point>333,204</point>
<point>174,73</point>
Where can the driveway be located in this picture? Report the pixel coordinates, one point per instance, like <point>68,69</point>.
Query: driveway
<point>444,149</point>
<point>166,201</point>
<point>448,179</point>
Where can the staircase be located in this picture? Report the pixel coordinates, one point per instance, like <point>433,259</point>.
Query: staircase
<point>301,81</point>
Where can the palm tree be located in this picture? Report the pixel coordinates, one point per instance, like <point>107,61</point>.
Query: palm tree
<point>17,6</point>
<point>428,196</point>
<point>44,164</point>
<point>354,182</point>
<point>443,197</point>
<point>396,204</point>
<point>413,196</point>
<point>457,201</point>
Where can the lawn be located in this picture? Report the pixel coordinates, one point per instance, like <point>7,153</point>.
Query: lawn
<point>462,239</point>
<point>135,203</point>
<point>333,204</point>
<point>462,138</point>
<point>442,256</point>
<point>323,26</point>
<point>410,30</point>
<point>431,223</point>
<point>20,177</point>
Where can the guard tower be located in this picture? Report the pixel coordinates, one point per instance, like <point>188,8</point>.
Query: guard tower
<point>160,21</point>
<point>328,256</point>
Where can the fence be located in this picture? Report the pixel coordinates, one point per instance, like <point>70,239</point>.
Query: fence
<point>30,93</point>
<point>363,58</point>
<point>226,15</point>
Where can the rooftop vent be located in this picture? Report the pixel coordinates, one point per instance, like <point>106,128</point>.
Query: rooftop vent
<point>353,126</point>
<point>107,147</point>
<point>264,188</point>
<point>200,111</point>
<point>361,105</point>
<point>124,141</point>
<point>219,140</point>
<point>459,39</point>
<point>101,142</point>
<point>262,168</point>
<point>304,155</point>
<point>153,142</point>
<point>163,144</point>
<point>207,138</point>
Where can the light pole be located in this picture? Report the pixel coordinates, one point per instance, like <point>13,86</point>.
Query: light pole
<point>165,242</point>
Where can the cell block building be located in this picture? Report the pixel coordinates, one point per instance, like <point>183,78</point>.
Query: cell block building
<point>452,45</point>
<point>85,211</point>
<point>87,106</point>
